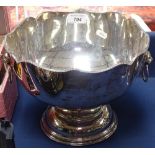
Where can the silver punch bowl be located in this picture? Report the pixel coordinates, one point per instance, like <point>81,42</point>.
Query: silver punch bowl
<point>77,62</point>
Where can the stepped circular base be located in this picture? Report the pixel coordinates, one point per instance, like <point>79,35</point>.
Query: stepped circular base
<point>79,127</point>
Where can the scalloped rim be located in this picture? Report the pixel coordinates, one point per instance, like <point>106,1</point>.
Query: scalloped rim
<point>127,16</point>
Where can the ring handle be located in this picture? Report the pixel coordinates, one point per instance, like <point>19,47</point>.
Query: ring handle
<point>147,58</point>
<point>21,71</point>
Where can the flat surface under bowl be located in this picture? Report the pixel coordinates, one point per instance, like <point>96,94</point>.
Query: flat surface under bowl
<point>135,111</point>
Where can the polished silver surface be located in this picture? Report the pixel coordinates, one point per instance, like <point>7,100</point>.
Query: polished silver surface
<point>84,41</point>
<point>76,89</point>
<point>79,127</point>
<point>78,62</point>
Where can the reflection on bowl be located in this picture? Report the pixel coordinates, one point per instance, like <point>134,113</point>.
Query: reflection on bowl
<point>77,63</point>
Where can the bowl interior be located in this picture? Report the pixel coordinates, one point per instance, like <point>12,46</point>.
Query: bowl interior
<point>89,42</point>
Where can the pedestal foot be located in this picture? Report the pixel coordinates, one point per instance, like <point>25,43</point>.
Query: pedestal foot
<point>79,127</point>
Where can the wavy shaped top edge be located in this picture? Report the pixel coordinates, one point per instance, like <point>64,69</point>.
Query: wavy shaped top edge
<point>104,41</point>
